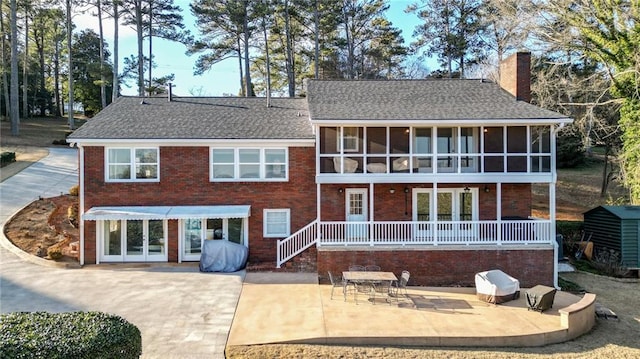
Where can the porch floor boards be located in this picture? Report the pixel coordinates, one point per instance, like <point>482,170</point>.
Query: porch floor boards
<point>294,308</point>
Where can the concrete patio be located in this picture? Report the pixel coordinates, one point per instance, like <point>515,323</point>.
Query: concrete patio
<point>293,308</point>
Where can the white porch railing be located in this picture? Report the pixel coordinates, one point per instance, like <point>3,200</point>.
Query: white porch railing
<point>296,243</point>
<point>416,233</point>
<point>434,233</point>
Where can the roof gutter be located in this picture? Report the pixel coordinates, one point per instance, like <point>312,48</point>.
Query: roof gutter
<point>442,122</point>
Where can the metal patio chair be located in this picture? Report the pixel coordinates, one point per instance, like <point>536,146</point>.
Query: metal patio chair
<point>340,282</point>
<point>399,285</point>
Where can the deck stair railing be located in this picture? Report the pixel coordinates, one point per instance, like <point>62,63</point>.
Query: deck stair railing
<point>297,243</point>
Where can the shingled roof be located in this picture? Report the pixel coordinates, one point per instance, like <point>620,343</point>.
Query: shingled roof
<point>407,100</point>
<point>199,118</point>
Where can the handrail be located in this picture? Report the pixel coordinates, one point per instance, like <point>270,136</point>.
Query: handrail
<point>340,233</point>
<point>296,243</point>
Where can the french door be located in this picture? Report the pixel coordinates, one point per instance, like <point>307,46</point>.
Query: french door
<point>356,206</point>
<point>197,230</point>
<point>134,241</point>
<point>447,209</point>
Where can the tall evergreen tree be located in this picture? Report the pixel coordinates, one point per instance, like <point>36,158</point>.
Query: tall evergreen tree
<point>450,32</point>
<point>225,28</point>
<point>88,70</point>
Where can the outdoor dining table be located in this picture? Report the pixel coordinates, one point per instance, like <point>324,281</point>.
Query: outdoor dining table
<point>370,277</point>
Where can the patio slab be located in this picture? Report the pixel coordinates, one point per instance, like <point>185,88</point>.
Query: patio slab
<point>274,311</point>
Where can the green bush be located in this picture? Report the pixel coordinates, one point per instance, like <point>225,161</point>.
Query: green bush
<point>571,234</point>
<point>74,191</point>
<point>6,158</point>
<point>54,253</point>
<point>68,335</point>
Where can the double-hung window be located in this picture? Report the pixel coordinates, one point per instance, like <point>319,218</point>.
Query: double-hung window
<point>277,222</point>
<point>132,164</point>
<point>249,164</point>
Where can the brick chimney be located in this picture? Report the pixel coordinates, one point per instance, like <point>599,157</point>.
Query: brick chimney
<point>515,75</point>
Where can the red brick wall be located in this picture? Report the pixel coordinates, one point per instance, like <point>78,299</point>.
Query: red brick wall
<point>184,180</point>
<point>442,267</point>
<point>516,199</point>
<point>90,242</point>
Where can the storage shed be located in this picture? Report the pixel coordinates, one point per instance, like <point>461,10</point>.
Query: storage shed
<point>618,228</point>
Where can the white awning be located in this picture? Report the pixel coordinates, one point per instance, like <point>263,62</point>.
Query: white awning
<point>166,212</point>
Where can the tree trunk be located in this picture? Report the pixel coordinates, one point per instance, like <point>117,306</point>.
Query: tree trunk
<point>247,73</point>
<point>103,92</point>
<point>43,89</point>
<point>56,79</point>
<point>25,67</point>
<point>287,32</point>
<point>138,10</point>
<point>15,111</point>
<point>150,39</point>
<point>605,173</point>
<point>242,93</point>
<point>5,80</point>
<point>268,65</point>
<point>316,21</point>
<point>116,80</point>
<point>350,50</point>
<point>70,66</point>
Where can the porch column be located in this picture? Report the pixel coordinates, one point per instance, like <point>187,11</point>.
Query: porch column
<point>434,214</point>
<point>499,212</point>
<point>318,208</point>
<point>371,213</point>
<point>552,230</point>
<point>552,200</point>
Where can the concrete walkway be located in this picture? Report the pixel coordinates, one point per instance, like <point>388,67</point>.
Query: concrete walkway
<point>181,312</point>
<point>52,175</point>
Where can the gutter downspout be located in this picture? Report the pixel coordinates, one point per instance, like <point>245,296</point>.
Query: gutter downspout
<point>552,204</point>
<point>81,206</point>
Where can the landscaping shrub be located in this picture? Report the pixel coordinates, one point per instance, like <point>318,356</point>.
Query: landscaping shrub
<point>72,215</point>
<point>571,234</point>
<point>68,335</point>
<point>6,158</point>
<point>54,253</point>
<point>74,191</point>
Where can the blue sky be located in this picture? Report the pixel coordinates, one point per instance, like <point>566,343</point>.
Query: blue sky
<point>223,77</point>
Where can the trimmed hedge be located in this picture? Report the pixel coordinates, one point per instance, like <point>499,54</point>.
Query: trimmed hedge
<point>68,335</point>
<point>6,158</point>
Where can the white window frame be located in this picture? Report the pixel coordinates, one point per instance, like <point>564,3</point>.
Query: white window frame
<point>262,176</point>
<point>265,219</point>
<point>132,164</point>
<point>349,138</point>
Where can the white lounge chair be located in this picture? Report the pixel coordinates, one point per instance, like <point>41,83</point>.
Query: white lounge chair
<point>350,166</point>
<point>495,286</point>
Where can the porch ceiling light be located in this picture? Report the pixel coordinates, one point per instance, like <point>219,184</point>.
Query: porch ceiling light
<point>392,190</point>
<point>467,189</point>
<point>486,189</point>
<point>340,190</point>
<point>406,190</point>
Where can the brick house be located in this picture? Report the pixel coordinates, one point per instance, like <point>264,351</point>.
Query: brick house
<point>433,176</point>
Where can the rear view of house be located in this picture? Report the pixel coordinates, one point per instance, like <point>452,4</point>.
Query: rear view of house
<point>433,176</point>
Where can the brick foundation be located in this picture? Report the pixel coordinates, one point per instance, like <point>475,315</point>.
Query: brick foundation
<point>446,267</point>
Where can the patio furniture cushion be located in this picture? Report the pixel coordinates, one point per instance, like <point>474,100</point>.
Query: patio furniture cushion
<point>401,164</point>
<point>377,167</point>
<point>350,165</point>
<point>496,287</point>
